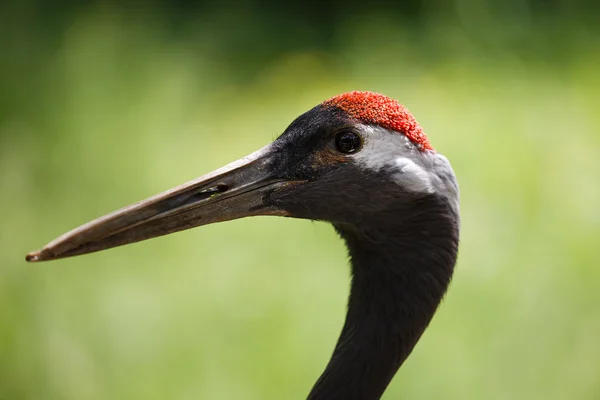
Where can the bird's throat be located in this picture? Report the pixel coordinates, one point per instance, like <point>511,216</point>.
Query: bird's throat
<point>400,273</point>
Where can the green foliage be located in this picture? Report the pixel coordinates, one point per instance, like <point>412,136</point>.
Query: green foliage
<point>108,110</point>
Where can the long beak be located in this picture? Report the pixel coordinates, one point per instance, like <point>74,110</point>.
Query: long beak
<point>234,191</point>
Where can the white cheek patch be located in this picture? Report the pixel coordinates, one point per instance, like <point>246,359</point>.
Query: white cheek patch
<point>380,148</point>
<point>412,176</point>
<point>395,153</point>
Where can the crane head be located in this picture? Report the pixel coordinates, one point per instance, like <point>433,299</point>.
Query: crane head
<point>356,158</point>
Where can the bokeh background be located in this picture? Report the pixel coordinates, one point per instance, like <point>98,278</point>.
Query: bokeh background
<point>104,103</point>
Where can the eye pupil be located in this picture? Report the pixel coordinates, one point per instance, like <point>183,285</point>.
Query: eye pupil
<point>348,142</point>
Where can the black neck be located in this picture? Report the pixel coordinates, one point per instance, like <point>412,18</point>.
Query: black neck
<point>401,268</point>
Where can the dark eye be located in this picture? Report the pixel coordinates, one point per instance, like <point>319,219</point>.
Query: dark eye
<point>348,142</point>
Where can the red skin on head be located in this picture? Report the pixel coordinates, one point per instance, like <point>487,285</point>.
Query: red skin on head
<point>375,108</point>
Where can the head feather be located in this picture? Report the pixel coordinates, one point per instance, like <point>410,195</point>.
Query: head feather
<point>375,108</point>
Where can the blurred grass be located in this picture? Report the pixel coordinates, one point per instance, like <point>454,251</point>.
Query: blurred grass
<point>251,309</point>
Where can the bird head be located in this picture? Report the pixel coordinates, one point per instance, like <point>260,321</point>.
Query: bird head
<point>352,158</point>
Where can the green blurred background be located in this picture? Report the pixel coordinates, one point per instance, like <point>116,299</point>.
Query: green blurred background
<point>105,103</point>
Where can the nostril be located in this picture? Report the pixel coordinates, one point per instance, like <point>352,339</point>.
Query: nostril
<point>196,197</point>
<point>220,188</point>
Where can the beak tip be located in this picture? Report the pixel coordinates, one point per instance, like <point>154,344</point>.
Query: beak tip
<point>33,256</point>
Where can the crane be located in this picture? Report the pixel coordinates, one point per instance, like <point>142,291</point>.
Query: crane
<point>361,162</point>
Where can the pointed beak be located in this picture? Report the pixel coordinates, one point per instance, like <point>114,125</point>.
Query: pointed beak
<point>238,190</point>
